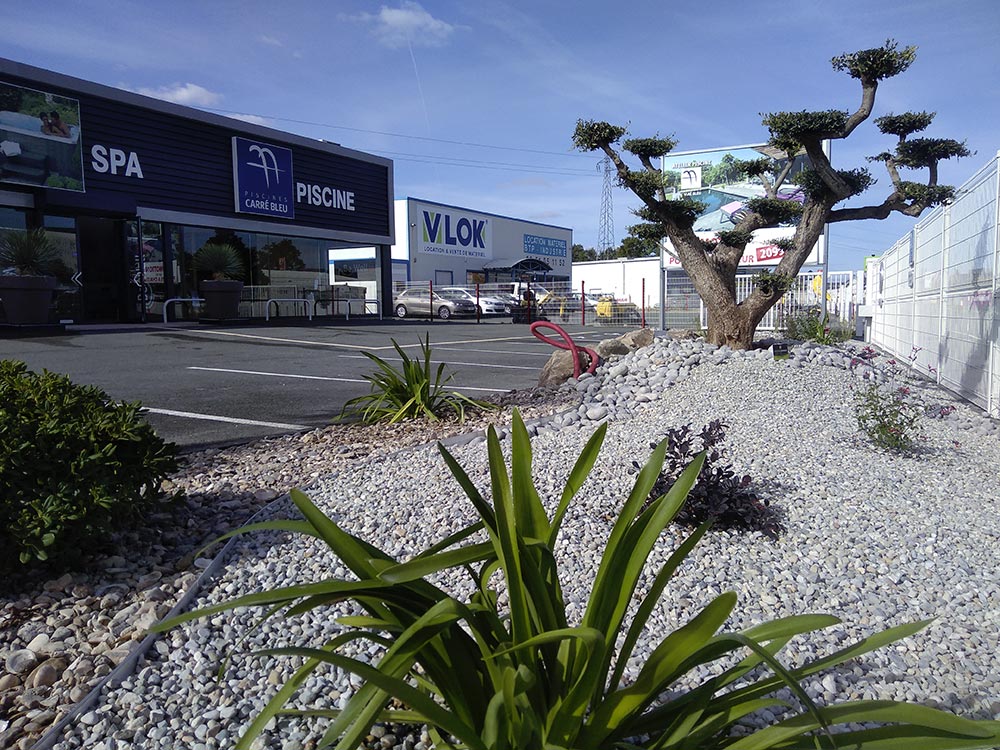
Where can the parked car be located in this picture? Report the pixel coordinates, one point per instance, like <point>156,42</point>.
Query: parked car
<point>445,304</point>
<point>488,304</point>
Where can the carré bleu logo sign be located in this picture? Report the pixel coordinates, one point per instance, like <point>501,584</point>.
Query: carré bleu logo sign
<point>262,178</point>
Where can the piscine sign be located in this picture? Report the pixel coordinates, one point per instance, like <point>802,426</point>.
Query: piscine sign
<point>447,233</point>
<point>262,178</point>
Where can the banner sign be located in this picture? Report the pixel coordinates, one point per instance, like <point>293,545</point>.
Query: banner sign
<point>263,182</point>
<point>457,233</point>
<point>712,177</point>
<point>547,246</point>
<point>40,139</point>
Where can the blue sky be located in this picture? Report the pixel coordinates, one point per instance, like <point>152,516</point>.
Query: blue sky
<point>476,101</point>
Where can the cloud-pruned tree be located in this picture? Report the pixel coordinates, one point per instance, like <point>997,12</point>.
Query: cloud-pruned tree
<point>712,264</point>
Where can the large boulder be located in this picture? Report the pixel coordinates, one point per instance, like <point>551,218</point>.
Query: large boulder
<point>559,368</point>
<point>638,339</point>
<point>612,348</point>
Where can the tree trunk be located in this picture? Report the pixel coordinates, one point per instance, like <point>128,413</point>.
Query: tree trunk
<point>732,328</point>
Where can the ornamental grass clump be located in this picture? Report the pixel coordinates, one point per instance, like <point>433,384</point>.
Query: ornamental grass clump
<point>413,390</point>
<point>521,676</point>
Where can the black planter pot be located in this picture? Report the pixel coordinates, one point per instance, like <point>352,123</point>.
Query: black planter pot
<point>27,299</point>
<point>222,299</point>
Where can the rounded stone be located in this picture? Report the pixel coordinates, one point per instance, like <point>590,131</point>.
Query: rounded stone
<point>21,661</point>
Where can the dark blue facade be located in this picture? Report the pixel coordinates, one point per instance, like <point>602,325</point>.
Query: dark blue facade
<point>182,160</point>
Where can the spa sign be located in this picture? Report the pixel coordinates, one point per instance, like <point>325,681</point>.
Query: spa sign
<point>40,139</point>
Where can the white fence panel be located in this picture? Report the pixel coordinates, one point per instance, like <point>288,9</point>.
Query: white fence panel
<point>937,293</point>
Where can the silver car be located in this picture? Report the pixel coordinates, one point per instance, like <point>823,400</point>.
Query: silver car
<point>488,304</point>
<point>445,304</point>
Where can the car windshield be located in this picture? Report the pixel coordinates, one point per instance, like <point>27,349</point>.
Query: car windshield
<point>451,294</point>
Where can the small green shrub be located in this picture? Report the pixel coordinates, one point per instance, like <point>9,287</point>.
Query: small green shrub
<point>219,261</point>
<point>520,676</point>
<point>413,390</point>
<point>73,463</point>
<point>810,326</point>
<point>886,417</point>
<point>882,410</point>
<point>720,495</point>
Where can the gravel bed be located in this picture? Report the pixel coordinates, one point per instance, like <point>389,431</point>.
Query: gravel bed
<point>61,635</point>
<point>876,538</point>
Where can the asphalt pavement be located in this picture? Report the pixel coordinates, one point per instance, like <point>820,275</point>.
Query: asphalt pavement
<point>207,385</point>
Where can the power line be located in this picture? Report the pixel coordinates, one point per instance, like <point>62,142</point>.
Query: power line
<point>451,161</point>
<point>399,135</point>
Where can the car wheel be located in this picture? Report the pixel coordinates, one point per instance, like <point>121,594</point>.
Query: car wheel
<point>444,312</point>
<point>400,311</point>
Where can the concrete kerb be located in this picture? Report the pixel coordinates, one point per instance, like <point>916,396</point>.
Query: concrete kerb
<point>127,667</point>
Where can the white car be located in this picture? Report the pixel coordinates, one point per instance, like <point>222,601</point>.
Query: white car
<point>488,305</point>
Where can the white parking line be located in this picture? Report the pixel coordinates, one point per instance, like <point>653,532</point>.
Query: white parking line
<point>279,374</point>
<point>231,420</point>
<point>337,380</point>
<point>455,364</point>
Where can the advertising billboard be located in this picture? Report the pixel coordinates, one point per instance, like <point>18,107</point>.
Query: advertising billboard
<point>40,139</point>
<point>448,231</point>
<point>713,178</point>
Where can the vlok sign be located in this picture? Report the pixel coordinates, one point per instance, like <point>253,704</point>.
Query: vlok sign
<point>455,233</point>
<point>262,178</point>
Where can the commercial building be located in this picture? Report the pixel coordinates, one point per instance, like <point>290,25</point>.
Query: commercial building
<point>130,188</point>
<point>451,245</point>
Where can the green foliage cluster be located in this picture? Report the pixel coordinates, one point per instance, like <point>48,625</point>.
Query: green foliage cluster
<point>925,152</point>
<point>413,390</point>
<point>72,463</point>
<point>649,147</point>
<point>886,417</point>
<point>904,124</point>
<point>652,231</point>
<point>591,135</point>
<point>773,283</point>
<point>809,180</point>
<point>29,253</point>
<point>720,496</point>
<point>776,210</point>
<point>220,260</point>
<point>811,326</point>
<point>789,130</point>
<point>876,64</point>
<point>735,237</point>
<point>64,182</point>
<point>755,167</point>
<point>928,195</point>
<point>486,677</point>
<point>682,211</point>
<point>642,182</point>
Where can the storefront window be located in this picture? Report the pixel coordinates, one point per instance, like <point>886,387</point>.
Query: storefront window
<point>61,231</point>
<point>11,218</point>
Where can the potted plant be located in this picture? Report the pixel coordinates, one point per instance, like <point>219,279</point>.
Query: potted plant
<point>27,262</point>
<point>221,268</point>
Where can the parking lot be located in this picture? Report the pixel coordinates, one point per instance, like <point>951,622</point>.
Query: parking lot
<point>206,385</point>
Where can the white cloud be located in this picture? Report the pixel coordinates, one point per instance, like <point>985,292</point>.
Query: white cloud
<point>407,24</point>
<point>189,94</point>
<point>253,119</point>
<point>270,41</point>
